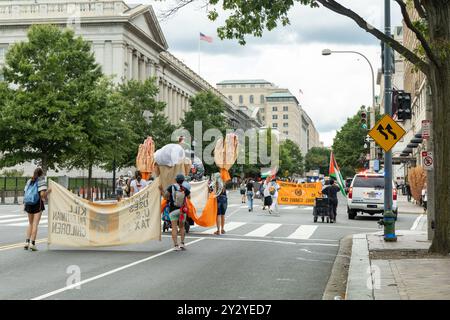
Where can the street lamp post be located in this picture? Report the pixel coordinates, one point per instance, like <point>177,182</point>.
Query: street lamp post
<point>327,52</point>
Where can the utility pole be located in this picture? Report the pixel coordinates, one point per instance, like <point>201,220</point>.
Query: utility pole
<point>430,173</point>
<point>388,216</point>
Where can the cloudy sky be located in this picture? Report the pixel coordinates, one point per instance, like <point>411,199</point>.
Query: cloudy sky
<point>334,87</point>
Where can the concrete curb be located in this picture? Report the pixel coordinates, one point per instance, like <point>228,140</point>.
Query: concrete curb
<point>360,281</point>
<point>337,283</point>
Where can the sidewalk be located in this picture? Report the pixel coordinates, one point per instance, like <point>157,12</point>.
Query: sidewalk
<point>401,270</point>
<point>408,207</point>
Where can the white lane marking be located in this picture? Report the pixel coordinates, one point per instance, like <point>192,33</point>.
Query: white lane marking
<point>416,222</point>
<point>228,227</point>
<point>14,220</point>
<point>9,216</point>
<point>264,230</point>
<point>44,296</point>
<point>289,207</point>
<point>233,205</point>
<point>42,223</point>
<point>272,241</point>
<point>303,232</point>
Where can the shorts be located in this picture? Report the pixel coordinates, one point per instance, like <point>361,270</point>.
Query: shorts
<point>242,192</point>
<point>222,205</point>
<point>35,208</point>
<point>268,201</point>
<point>119,192</point>
<point>176,215</point>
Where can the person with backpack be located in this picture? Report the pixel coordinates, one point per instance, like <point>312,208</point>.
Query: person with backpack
<point>176,194</point>
<point>271,193</point>
<point>137,184</point>
<point>35,194</point>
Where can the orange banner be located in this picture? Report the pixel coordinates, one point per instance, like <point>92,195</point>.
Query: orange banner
<point>302,194</point>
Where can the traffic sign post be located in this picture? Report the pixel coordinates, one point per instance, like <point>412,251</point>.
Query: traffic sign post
<point>427,160</point>
<point>387,132</point>
<point>426,129</point>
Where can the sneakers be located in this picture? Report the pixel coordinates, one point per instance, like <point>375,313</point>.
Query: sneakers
<point>176,248</point>
<point>182,246</point>
<point>26,246</point>
<point>33,247</point>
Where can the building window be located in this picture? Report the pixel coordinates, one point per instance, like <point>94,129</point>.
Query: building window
<point>230,97</point>
<point>252,100</point>
<point>285,108</point>
<point>261,99</point>
<point>285,125</point>
<point>285,116</point>
<point>241,99</point>
<point>274,125</point>
<point>274,117</point>
<point>263,118</point>
<point>286,132</point>
<point>274,108</point>
<point>252,86</point>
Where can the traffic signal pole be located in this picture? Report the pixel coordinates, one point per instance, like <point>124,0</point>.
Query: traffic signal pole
<point>388,216</point>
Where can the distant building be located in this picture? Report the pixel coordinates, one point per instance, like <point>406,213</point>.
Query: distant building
<point>127,42</point>
<point>276,107</point>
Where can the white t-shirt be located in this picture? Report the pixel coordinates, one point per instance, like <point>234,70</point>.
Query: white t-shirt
<point>267,191</point>
<point>138,186</point>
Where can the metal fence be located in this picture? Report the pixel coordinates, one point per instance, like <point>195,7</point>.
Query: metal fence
<point>12,188</point>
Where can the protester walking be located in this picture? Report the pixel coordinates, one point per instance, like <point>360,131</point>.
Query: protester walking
<point>120,186</point>
<point>242,190</point>
<point>222,204</point>
<point>408,191</point>
<point>35,194</point>
<point>273,191</point>
<point>177,195</point>
<point>137,184</point>
<point>250,194</point>
<point>424,198</point>
<point>331,192</point>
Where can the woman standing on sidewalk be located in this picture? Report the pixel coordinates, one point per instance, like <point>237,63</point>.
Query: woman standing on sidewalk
<point>35,194</point>
<point>250,193</point>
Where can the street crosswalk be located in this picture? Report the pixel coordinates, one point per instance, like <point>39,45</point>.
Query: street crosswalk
<point>301,232</point>
<point>298,232</point>
<point>245,206</point>
<point>20,220</point>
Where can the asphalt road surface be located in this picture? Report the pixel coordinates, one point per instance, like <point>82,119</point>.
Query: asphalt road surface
<point>262,256</point>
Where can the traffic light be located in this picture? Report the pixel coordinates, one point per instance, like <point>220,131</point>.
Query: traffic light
<point>363,119</point>
<point>401,103</point>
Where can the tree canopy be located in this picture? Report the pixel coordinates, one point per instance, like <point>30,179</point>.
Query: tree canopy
<point>51,77</point>
<point>318,158</point>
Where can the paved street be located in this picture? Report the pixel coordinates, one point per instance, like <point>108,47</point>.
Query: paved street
<point>262,256</point>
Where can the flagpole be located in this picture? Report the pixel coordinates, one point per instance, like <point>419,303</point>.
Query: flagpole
<point>199,55</point>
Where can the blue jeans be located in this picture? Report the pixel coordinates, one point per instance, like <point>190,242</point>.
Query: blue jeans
<point>250,200</point>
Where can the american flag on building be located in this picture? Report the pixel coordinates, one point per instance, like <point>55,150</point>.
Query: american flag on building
<point>206,38</point>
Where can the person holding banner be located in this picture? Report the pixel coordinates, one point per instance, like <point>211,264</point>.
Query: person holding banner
<point>176,194</point>
<point>35,194</point>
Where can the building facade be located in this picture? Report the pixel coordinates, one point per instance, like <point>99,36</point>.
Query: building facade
<point>276,107</point>
<point>127,42</point>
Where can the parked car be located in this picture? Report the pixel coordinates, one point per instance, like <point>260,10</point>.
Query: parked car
<point>366,195</point>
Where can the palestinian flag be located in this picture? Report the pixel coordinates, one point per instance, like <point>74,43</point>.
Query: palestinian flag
<point>335,173</point>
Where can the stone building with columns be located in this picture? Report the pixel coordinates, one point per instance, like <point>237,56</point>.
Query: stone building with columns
<point>127,42</point>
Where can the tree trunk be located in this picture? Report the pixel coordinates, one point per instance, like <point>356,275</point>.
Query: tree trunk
<point>438,13</point>
<point>89,183</point>
<point>44,163</point>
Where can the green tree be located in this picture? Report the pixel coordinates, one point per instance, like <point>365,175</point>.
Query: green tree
<point>209,109</point>
<point>104,135</point>
<point>318,159</point>
<point>348,146</point>
<point>291,159</point>
<point>431,56</point>
<point>145,114</point>
<point>52,75</point>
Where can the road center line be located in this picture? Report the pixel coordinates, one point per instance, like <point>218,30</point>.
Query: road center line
<point>44,296</point>
<point>416,222</point>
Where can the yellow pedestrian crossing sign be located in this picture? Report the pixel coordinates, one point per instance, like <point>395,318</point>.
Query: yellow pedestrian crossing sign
<point>387,133</point>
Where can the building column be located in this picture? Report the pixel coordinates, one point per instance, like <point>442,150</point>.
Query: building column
<point>118,61</point>
<point>142,68</point>
<point>130,63</point>
<point>135,74</point>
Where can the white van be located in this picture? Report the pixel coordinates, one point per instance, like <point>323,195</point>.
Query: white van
<point>366,194</point>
